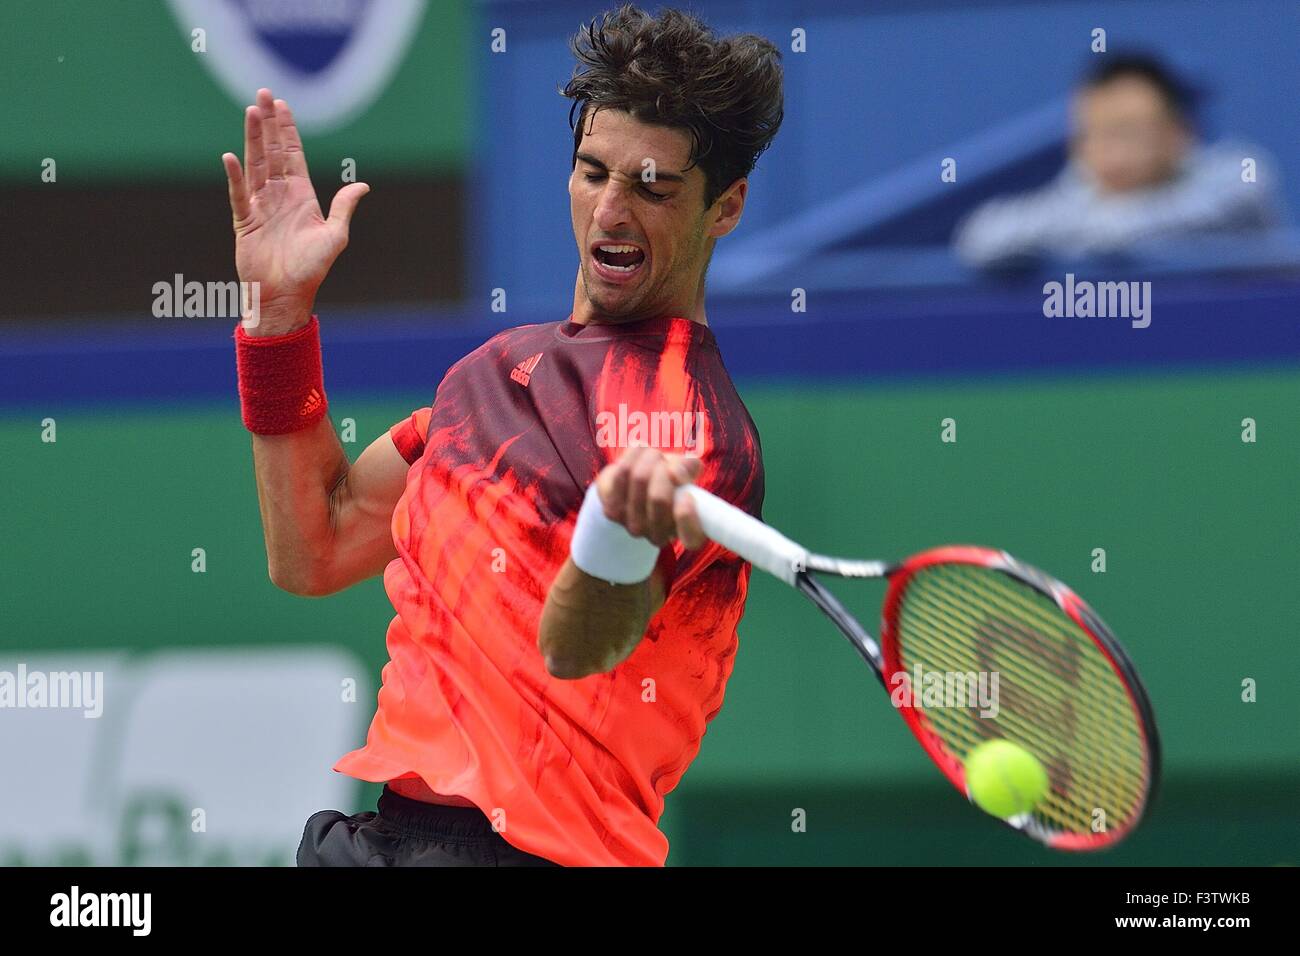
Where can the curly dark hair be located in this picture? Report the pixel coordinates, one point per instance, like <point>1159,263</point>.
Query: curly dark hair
<point>674,71</point>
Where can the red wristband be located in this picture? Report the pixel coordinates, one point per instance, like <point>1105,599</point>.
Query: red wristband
<point>281,383</point>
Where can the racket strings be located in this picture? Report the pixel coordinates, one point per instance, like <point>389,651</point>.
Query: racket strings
<point>1040,694</point>
<point>1057,693</point>
<point>1039,713</point>
<point>1044,701</point>
<point>1072,773</point>
<point>1039,672</point>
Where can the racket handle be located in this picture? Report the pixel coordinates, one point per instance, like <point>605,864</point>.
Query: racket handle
<point>760,545</point>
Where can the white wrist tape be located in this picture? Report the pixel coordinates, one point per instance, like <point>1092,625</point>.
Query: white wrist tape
<point>604,549</point>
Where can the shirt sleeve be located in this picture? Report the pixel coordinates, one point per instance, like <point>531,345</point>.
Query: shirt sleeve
<point>409,434</point>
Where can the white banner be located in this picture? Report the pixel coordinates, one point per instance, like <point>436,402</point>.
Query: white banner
<point>201,757</point>
<point>329,59</point>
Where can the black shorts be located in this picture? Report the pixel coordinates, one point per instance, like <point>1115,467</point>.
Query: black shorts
<point>408,832</point>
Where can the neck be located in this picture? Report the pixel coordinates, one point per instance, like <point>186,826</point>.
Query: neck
<point>585,313</point>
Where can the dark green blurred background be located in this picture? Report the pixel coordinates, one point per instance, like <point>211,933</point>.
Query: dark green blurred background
<point>1198,527</point>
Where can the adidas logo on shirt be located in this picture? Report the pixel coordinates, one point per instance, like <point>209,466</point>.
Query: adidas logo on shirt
<point>524,370</point>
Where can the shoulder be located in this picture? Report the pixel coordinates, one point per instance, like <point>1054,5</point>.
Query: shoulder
<point>501,346</point>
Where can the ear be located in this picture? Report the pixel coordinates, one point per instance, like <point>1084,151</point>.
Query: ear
<point>727,208</point>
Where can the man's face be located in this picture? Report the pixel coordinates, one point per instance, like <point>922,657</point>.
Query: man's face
<point>1126,135</point>
<point>642,245</point>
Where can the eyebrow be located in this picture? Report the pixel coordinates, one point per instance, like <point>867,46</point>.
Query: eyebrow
<point>659,176</point>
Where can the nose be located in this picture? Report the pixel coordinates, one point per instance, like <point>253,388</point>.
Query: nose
<point>612,208</point>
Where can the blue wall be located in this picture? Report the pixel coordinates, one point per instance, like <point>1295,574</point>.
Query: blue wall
<point>875,90</point>
<point>843,337</point>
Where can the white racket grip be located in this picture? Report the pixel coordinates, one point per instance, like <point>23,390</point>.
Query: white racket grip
<point>760,545</point>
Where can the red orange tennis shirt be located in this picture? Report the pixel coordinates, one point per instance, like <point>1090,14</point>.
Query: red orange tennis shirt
<point>573,771</point>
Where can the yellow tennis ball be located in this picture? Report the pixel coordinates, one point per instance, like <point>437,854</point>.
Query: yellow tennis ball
<point>1004,779</point>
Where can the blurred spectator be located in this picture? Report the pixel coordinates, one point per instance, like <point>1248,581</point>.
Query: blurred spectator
<point>1136,173</point>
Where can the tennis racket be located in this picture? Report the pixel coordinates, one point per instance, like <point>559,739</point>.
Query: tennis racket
<point>1066,690</point>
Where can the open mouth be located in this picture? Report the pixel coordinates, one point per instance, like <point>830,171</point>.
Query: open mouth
<point>617,259</point>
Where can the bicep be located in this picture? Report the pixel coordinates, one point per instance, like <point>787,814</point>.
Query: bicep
<point>362,512</point>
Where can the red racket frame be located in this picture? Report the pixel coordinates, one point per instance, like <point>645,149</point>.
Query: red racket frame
<point>1078,611</point>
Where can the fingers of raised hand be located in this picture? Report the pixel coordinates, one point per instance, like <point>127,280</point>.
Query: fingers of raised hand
<point>237,186</point>
<point>271,139</point>
<point>295,160</point>
<point>344,204</point>
<point>254,149</point>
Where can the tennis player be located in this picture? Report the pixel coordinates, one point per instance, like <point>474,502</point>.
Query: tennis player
<point>563,630</point>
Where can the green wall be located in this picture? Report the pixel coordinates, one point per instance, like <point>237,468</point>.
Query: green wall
<point>1200,531</point>
<point>112,91</point>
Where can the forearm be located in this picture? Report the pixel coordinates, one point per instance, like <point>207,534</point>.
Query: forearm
<point>628,516</point>
<point>589,626</point>
<point>285,248</point>
<point>298,478</point>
